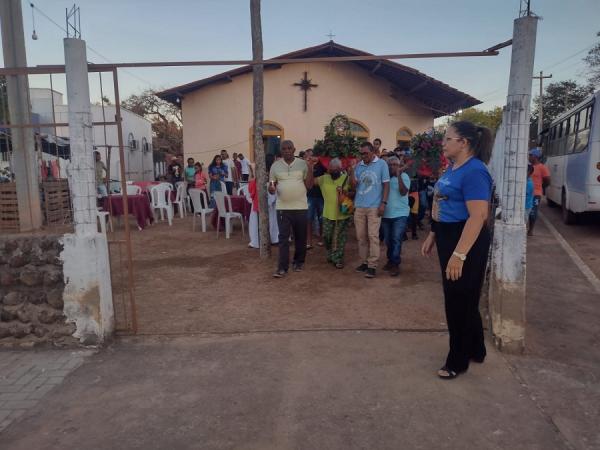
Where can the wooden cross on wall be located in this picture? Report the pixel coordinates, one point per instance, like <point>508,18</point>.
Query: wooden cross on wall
<point>306,85</point>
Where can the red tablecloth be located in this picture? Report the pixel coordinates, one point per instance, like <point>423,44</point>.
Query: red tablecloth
<point>238,204</point>
<point>138,205</point>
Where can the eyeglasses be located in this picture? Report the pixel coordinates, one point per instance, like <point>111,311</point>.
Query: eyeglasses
<point>364,153</point>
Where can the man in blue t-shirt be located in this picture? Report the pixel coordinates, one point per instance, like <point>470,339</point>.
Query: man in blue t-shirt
<point>371,178</point>
<point>395,216</point>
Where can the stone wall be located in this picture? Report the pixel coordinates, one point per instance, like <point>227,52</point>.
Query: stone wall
<point>31,291</point>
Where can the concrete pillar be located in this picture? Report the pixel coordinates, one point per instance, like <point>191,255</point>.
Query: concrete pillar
<point>86,265</point>
<point>24,162</point>
<point>507,284</point>
<point>82,176</point>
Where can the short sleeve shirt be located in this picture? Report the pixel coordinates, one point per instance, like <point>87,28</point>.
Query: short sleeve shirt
<point>221,171</point>
<point>230,165</point>
<point>291,190</point>
<point>370,178</point>
<point>245,166</point>
<point>330,198</point>
<point>540,172</point>
<point>397,205</point>
<point>471,181</point>
<point>190,172</point>
<point>529,194</point>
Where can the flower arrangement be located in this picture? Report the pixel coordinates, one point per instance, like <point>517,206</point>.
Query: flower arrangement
<point>427,152</point>
<point>338,142</point>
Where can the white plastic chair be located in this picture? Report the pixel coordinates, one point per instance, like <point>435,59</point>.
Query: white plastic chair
<point>160,196</point>
<point>103,217</point>
<point>243,190</point>
<point>132,189</point>
<point>226,213</point>
<point>180,198</point>
<point>199,198</point>
<point>223,188</point>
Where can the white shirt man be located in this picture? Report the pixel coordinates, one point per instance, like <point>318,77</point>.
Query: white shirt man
<point>230,164</point>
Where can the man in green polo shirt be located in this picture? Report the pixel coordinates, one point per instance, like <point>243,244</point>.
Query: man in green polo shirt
<point>290,177</point>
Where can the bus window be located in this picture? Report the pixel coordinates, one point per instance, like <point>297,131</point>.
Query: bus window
<point>583,133</point>
<point>572,134</point>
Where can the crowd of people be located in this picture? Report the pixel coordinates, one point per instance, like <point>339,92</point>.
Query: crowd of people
<point>310,197</point>
<point>375,193</point>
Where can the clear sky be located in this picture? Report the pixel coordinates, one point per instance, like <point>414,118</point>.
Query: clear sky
<point>154,30</point>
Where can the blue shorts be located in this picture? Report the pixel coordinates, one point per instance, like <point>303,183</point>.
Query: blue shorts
<point>315,209</point>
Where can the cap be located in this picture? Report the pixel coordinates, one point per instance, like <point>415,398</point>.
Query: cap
<point>536,152</point>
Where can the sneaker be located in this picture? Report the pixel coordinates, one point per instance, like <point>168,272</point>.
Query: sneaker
<point>394,271</point>
<point>280,273</point>
<point>370,273</point>
<point>362,268</point>
<point>298,267</point>
<point>388,266</point>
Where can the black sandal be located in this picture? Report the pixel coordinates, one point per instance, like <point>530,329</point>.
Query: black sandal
<point>447,374</point>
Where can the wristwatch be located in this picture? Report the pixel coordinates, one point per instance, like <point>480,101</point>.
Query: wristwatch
<point>460,256</point>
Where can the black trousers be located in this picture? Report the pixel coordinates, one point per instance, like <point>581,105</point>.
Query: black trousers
<point>288,221</point>
<point>461,297</point>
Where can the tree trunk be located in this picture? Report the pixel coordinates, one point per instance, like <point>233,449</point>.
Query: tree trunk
<point>259,150</point>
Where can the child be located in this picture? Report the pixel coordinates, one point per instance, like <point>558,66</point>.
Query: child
<point>529,194</point>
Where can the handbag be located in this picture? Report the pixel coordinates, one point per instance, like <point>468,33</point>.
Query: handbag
<point>346,205</point>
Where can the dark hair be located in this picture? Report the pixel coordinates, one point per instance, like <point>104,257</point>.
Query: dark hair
<point>529,169</point>
<point>368,145</point>
<point>480,139</point>
<point>301,154</point>
<point>377,139</point>
<point>214,161</point>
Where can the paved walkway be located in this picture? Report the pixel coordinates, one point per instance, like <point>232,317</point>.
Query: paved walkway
<point>27,376</point>
<point>299,390</point>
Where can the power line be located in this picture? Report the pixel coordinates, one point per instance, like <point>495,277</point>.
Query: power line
<point>90,48</point>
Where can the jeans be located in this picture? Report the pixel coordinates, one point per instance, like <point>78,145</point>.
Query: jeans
<point>229,187</point>
<point>245,177</point>
<point>367,222</point>
<point>101,189</point>
<point>393,232</point>
<point>289,220</point>
<point>315,212</point>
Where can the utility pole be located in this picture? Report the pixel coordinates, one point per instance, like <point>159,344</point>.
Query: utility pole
<point>541,101</point>
<point>507,285</point>
<point>258,112</point>
<point>23,164</point>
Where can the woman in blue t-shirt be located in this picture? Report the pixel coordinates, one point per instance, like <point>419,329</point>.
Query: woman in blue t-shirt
<point>460,211</point>
<point>217,171</point>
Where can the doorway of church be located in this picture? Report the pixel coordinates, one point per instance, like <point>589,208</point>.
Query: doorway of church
<point>272,144</point>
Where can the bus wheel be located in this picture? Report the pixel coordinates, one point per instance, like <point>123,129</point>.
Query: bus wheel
<point>568,217</point>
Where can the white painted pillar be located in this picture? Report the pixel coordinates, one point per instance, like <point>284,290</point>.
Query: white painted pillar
<point>507,286</point>
<point>82,178</point>
<point>86,265</point>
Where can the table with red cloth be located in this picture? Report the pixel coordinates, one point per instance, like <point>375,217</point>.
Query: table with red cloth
<point>138,206</point>
<point>238,204</point>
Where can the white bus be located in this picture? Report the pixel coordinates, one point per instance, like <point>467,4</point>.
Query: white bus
<point>572,148</point>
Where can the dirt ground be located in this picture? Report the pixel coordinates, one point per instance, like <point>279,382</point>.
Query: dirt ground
<point>192,282</point>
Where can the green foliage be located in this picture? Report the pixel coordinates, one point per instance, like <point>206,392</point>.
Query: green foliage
<point>558,98</point>
<point>593,64</point>
<point>490,119</point>
<point>427,149</point>
<point>338,142</point>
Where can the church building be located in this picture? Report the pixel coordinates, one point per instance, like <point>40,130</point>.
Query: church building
<point>383,99</point>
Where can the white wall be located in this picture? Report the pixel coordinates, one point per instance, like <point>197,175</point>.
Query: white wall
<point>138,165</point>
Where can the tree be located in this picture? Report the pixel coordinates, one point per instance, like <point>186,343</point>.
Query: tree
<point>258,113</point>
<point>165,117</point>
<point>558,98</point>
<point>593,62</point>
<point>490,119</point>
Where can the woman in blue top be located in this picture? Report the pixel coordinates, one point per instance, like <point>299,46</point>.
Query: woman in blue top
<point>460,211</point>
<point>217,171</point>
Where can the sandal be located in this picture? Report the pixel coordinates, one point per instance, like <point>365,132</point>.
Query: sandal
<point>447,374</point>
<point>309,247</point>
<point>339,265</point>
